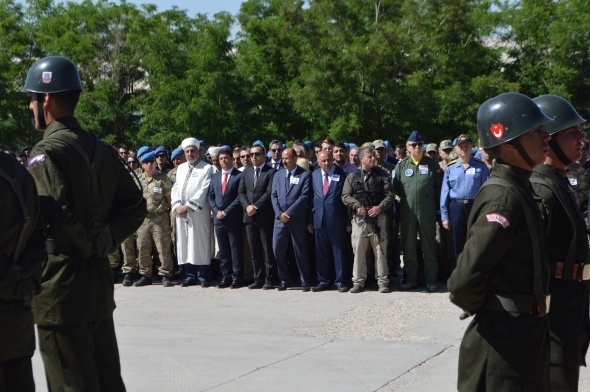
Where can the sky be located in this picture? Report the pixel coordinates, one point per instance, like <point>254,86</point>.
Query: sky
<point>194,7</point>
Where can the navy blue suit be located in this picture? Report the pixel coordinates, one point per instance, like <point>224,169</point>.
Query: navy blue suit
<point>329,218</point>
<point>291,199</point>
<point>229,229</point>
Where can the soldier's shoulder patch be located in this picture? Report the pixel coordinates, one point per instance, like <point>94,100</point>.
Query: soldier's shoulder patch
<point>37,158</point>
<point>498,219</point>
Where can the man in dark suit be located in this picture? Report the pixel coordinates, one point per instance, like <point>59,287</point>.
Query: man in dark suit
<point>328,218</point>
<point>227,219</point>
<point>254,195</point>
<point>290,192</point>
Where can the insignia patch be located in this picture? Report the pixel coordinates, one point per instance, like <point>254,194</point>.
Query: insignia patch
<point>37,158</point>
<point>46,78</point>
<point>499,219</point>
<point>497,130</point>
<point>409,172</point>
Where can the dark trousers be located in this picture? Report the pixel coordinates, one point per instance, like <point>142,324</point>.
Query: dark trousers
<point>458,215</point>
<point>16,375</point>
<point>297,235</point>
<point>81,357</point>
<point>202,273</point>
<point>330,255</point>
<point>230,241</point>
<point>263,258</point>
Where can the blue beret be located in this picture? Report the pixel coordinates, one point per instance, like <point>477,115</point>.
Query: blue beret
<point>258,143</point>
<point>346,145</point>
<point>177,152</point>
<point>201,143</point>
<point>148,156</point>
<point>161,150</point>
<point>415,137</point>
<point>142,150</point>
<point>352,145</point>
<point>387,144</point>
<point>308,144</point>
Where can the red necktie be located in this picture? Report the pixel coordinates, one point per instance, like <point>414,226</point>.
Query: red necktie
<point>224,183</point>
<point>326,185</point>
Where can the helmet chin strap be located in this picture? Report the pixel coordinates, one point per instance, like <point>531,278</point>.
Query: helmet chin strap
<point>40,112</point>
<point>523,153</point>
<point>559,152</point>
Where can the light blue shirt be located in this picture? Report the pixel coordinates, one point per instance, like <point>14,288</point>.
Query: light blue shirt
<point>461,182</point>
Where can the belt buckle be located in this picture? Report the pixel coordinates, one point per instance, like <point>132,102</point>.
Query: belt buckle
<point>559,270</point>
<point>586,272</point>
<point>465,201</point>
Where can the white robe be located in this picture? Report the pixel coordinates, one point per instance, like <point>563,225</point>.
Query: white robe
<point>193,235</point>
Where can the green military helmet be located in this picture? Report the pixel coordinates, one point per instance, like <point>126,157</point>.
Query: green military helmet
<point>52,74</point>
<point>561,111</point>
<point>506,117</point>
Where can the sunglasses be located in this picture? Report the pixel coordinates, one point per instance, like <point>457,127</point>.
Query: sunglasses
<point>123,152</point>
<point>275,149</point>
<point>255,154</point>
<point>414,145</point>
<point>244,156</point>
<point>160,155</point>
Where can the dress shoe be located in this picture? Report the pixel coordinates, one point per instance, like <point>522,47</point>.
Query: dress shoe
<point>188,282</point>
<point>268,286</point>
<point>407,286</point>
<point>431,288</point>
<point>255,285</point>
<point>320,287</point>
<point>343,289</point>
<point>205,284</point>
<point>223,284</point>
<point>143,281</point>
<point>305,287</point>
<point>236,284</point>
<point>166,282</point>
<point>357,288</point>
<point>283,286</point>
<point>128,280</point>
<point>384,289</point>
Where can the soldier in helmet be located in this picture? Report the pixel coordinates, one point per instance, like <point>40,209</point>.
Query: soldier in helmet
<point>87,209</point>
<point>501,276</point>
<point>568,245</point>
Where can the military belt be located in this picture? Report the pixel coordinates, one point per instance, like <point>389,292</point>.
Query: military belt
<point>578,272</point>
<point>514,303</point>
<point>152,215</point>
<point>55,247</point>
<point>463,201</point>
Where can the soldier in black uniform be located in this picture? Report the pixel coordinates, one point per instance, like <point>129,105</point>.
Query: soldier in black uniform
<point>502,275</point>
<point>89,205</point>
<point>22,251</point>
<point>568,245</point>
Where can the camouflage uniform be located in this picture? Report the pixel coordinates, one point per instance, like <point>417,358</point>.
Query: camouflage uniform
<point>577,177</point>
<point>156,225</point>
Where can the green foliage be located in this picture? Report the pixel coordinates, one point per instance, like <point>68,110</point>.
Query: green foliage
<point>346,69</point>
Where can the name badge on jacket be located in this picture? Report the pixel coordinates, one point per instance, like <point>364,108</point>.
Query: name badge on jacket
<point>470,171</point>
<point>157,189</point>
<point>294,180</point>
<point>423,169</point>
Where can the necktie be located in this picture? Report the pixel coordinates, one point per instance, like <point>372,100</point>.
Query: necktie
<point>256,175</point>
<point>224,183</point>
<point>326,185</point>
<point>277,167</point>
<point>287,183</point>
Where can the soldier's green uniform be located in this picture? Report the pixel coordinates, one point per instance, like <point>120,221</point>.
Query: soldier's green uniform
<point>89,204</point>
<point>568,250</point>
<point>502,275</point>
<point>418,186</point>
<point>156,226</point>
<point>20,273</point>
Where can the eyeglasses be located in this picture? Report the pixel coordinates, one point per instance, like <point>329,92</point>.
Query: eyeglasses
<point>160,156</point>
<point>255,154</point>
<point>244,156</point>
<point>275,149</point>
<point>414,145</point>
<point>147,162</point>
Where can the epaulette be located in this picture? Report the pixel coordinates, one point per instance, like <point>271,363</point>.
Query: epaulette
<point>403,160</point>
<point>451,162</point>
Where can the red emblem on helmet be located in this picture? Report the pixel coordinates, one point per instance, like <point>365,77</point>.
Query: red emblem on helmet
<point>497,131</point>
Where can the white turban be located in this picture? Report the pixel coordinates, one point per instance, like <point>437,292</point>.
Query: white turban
<point>191,141</point>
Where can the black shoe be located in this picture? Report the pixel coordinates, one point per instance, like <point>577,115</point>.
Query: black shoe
<point>357,288</point>
<point>223,284</point>
<point>320,287</point>
<point>189,282</point>
<point>305,287</point>
<point>268,286</point>
<point>431,288</point>
<point>283,286</point>
<point>205,284</point>
<point>167,282</point>
<point>255,285</point>
<point>127,281</point>
<point>236,285</point>
<point>343,289</point>
<point>143,281</point>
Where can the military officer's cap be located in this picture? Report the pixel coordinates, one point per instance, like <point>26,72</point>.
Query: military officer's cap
<point>142,150</point>
<point>378,144</point>
<point>415,137</point>
<point>446,145</point>
<point>148,156</point>
<point>462,139</point>
<point>177,152</point>
<point>431,147</point>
